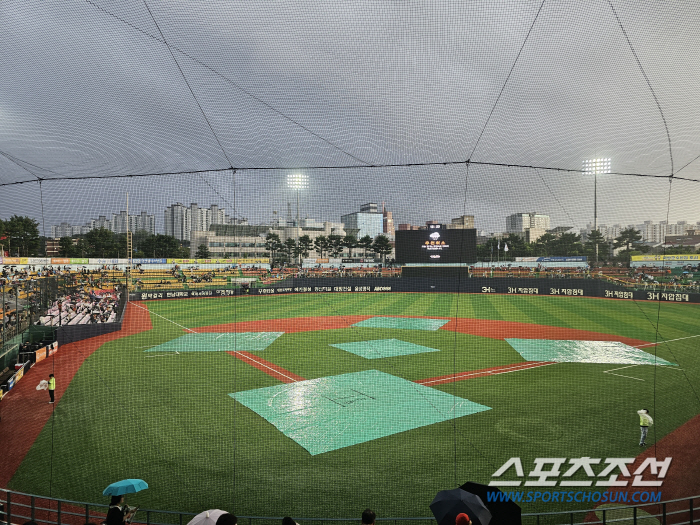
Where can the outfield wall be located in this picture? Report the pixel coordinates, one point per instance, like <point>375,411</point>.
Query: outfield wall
<point>474,285</point>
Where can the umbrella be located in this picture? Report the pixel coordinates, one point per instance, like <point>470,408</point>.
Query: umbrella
<point>448,503</point>
<point>125,486</point>
<point>502,512</point>
<point>208,517</point>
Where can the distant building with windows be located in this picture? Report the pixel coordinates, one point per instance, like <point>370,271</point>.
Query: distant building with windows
<point>226,241</point>
<point>368,221</point>
<point>181,221</point>
<point>531,226</point>
<point>464,222</point>
<point>119,223</point>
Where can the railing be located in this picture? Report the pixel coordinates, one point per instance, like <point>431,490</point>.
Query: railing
<point>19,507</point>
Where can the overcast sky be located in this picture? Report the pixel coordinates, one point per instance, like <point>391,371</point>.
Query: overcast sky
<point>90,88</point>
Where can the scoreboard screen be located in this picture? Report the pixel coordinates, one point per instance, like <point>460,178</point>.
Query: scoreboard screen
<point>436,245</point>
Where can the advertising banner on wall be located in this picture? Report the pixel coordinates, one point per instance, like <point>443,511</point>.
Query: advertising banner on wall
<point>60,260</point>
<point>147,261</point>
<point>108,261</point>
<point>661,258</point>
<point>80,261</point>
<point>582,259</point>
<point>11,260</point>
<point>216,261</point>
<point>39,260</point>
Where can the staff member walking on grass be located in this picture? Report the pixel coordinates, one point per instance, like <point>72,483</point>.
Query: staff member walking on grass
<point>645,422</point>
<point>52,386</point>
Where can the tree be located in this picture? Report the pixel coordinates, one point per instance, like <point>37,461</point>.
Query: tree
<point>382,246</point>
<point>22,236</point>
<point>305,245</point>
<point>596,240</point>
<point>545,245</point>
<point>629,238</point>
<point>365,243</point>
<point>335,244</point>
<point>567,245</point>
<point>273,244</point>
<point>321,244</point>
<point>166,246</point>
<point>100,243</point>
<point>202,252</point>
<point>350,242</point>
<point>517,247</point>
<point>82,248</point>
<point>289,248</point>
<point>66,248</point>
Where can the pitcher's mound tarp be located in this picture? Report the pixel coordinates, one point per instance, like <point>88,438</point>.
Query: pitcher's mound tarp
<point>607,352</point>
<point>405,323</point>
<point>213,342</point>
<point>335,412</point>
<point>379,348</point>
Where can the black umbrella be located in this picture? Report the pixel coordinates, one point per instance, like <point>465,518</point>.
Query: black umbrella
<point>448,503</point>
<point>502,512</point>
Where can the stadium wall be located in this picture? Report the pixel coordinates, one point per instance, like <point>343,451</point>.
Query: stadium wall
<point>461,284</point>
<point>71,333</point>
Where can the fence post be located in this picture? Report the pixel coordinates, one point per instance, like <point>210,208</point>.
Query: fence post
<point>87,513</point>
<point>180,518</point>
<point>663,507</point>
<point>58,513</point>
<point>31,507</point>
<point>148,517</point>
<point>8,514</point>
<point>691,510</point>
<point>604,519</point>
<point>634,515</point>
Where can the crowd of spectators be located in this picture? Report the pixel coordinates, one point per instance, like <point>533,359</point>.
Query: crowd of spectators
<point>82,309</point>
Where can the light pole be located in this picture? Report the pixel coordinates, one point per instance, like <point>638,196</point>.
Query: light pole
<point>596,166</point>
<point>298,182</point>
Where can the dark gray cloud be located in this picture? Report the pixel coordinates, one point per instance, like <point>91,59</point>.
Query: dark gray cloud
<point>93,90</point>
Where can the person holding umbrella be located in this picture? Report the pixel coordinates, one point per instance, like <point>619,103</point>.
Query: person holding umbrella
<point>462,519</point>
<point>119,512</point>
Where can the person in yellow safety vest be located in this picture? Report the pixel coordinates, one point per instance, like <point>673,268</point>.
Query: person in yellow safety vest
<point>52,386</point>
<point>645,421</point>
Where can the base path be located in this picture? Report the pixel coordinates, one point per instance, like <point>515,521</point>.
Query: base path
<point>479,327</point>
<point>269,368</point>
<point>26,410</point>
<point>473,374</point>
<point>682,475</point>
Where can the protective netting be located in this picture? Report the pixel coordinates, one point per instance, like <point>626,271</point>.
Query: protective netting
<point>433,111</point>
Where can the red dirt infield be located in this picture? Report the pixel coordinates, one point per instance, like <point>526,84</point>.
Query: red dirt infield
<point>26,410</point>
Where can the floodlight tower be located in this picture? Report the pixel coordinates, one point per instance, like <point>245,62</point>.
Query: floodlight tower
<point>298,181</point>
<point>594,167</point>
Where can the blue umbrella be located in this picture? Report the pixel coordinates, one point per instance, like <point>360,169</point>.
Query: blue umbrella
<point>125,486</point>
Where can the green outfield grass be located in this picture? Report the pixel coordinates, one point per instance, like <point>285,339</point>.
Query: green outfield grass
<point>168,418</point>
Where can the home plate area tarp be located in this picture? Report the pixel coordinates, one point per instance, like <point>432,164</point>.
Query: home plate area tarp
<point>213,342</point>
<point>606,352</point>
<point>330,413</point>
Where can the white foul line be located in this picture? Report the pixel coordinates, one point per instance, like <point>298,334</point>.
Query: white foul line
<point>169,320</point>
<point>669,341</point>
<point>620,375</point>
<point>462,375</point>
<point>263,364</point>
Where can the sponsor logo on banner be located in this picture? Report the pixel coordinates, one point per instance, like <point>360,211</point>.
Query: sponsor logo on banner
<point>60,260</point>
<point>39,260</point>
<point>19,375</point>
<point>40,354</point>
<point>661,258</point>
<point>80,261</point>
<point>11,260</point>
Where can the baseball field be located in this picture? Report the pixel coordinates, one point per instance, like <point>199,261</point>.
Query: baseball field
<point>323,405</point>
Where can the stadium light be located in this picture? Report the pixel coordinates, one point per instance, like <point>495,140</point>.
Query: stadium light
<point>298,181</point>
<point>594,167</point>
